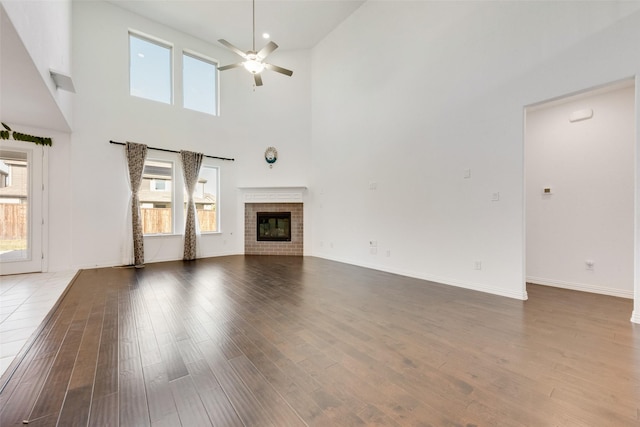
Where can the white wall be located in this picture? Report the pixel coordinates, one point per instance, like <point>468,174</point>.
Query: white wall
<point>589,166</point>
<point>410,95</point>
<point>277,114</point>
<point>45,30</point>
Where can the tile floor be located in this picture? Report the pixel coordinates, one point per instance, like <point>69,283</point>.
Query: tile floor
<point>25,300</point>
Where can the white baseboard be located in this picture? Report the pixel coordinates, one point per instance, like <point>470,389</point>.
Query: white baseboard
<point>442,280</point>
<point>581,287</point>
<point>635,316</point>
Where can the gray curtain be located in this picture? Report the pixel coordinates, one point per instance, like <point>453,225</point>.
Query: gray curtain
<point>136,154</point>
<point>191,163</point>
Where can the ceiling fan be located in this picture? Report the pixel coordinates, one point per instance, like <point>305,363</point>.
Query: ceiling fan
<point>254,61</point>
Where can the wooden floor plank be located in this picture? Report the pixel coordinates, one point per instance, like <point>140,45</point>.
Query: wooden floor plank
<point>159,395</point>
<point>268,397</point>
<point>275,341</point>
<point>190,408</point>
<point>104,411</point>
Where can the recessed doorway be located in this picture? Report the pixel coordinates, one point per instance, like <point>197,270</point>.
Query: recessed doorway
<point>579,190</point>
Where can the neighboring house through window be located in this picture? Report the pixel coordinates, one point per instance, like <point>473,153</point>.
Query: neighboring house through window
<point>206,199</point>
<point>156,197</point>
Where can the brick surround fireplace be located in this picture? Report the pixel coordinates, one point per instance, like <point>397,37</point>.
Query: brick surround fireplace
<point>251,244</point>
<point>273,199</point>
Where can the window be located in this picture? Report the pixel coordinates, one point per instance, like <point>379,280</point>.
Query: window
<point>199,78</point>
<point>149,69</point>
<point>160,185</point>
<point>156,197</point>
<point>206,199</point>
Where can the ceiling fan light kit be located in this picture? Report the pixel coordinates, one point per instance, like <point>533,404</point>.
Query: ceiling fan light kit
<point>254,61</point>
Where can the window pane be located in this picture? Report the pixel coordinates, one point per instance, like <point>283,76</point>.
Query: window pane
<point>14,198</point>
<point>199,80</point>
<point>150,70</point>
<point>156,197</point>
<point>206,199</point>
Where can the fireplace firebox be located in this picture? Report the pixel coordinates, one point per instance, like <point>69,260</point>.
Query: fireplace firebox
<point>273,226</point>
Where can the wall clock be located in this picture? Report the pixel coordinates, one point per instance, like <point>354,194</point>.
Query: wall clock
<point>271,155</point>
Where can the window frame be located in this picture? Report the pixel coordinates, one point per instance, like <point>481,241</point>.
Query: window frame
<point>206,59</point>
<point>161,43</point>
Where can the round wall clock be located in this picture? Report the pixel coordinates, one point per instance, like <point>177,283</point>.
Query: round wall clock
<point>271,155</point>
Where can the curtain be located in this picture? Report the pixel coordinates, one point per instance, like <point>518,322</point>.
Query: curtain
<point>191,163</point>
<point>136,154</point>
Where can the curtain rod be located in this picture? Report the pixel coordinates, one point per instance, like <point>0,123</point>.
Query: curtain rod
<point>174,151</point>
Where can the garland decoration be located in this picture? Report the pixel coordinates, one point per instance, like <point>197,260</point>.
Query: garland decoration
<point>7,133</point>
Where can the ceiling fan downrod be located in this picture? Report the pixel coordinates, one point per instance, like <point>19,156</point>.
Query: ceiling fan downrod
<point>253,46</point>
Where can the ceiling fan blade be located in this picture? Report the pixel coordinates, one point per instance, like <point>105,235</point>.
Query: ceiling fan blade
<point>278,69</point>
<point>258,79</point>
<point>230,66</point>
<point>232,47</point>
<point>270,47</point>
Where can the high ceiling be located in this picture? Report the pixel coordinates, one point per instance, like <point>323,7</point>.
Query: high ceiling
<point>292,24</point>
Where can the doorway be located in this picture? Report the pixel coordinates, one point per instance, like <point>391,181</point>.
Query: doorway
<point>21,207</point>
<point>579,191</point>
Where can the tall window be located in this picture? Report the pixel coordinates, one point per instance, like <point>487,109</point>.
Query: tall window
<point>149,69</point>
<point>199,78</point>
<point>156,197</point>
<point>206,199</point>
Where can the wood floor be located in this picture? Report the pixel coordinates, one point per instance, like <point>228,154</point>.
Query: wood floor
<point>292,341</point>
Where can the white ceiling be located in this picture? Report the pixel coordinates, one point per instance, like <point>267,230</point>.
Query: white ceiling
<point>24,97</point>
<point>292,24</point>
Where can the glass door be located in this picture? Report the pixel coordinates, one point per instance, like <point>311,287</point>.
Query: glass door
<point>21,199</point>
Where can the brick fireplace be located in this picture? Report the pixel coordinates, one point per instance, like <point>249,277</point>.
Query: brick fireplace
<point>254,247</point>
<point>273,199</point>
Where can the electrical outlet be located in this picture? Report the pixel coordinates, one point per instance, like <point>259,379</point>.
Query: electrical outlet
<point>478,265</point>
<point>373,243</point>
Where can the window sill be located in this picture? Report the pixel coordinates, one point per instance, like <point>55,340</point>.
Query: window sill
<point>162,235</point>
<point>203,233</point>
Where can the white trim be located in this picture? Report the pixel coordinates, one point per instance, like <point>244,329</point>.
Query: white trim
<point>581,287</point>
<point>436,279</point>
<point>635,317</point>
<point>294,187</point>
<point>45,209</point>
<point>272,194</point>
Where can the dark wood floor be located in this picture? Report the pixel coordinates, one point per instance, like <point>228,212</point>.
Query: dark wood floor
<point>288,341</point>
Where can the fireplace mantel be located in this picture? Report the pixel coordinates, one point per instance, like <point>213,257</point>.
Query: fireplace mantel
<point>289,194</point>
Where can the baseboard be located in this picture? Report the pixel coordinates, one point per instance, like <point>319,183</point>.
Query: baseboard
<point>581,287</point>
<point>635,316</point>
<point>432,278</point>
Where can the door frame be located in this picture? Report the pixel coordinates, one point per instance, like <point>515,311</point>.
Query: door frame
<point>37,158</point>
<point>635,315</point>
